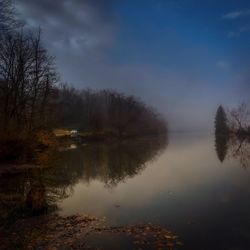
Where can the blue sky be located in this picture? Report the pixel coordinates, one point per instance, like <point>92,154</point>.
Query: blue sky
<point>186,35</point>
<point>184,57</point>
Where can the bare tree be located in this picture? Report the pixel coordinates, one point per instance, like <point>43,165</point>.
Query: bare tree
<point>240,150</point>
<point>239,118</point>
<point>42,78</point>
<point>28,76</point>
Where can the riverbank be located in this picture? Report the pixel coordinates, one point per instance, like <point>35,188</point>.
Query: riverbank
<point>36,151</point>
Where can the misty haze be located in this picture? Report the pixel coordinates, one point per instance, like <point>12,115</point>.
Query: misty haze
<point>124,124</point>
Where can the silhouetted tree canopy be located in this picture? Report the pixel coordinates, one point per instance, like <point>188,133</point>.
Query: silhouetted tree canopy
<point>106,111</point>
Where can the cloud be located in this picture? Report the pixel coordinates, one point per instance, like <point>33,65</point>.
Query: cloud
<point>76,24</point>
<point>237,14</point>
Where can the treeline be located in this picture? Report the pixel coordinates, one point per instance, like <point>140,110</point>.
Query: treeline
<point>32,100</point>
<point>106,111</point>
<point>234,121</point>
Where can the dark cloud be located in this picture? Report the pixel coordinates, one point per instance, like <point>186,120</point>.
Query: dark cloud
<point>76,32</point>
<point>71,24</point>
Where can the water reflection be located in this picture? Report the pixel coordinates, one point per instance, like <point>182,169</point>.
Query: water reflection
<point>233,147</point>
<point>39,190</point>
<point>184,188</point>
<point>240,150</point>
<point>36,200</point>
<point>221,145</point>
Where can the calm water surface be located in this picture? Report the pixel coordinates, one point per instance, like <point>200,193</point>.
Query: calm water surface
<point>197,189</point>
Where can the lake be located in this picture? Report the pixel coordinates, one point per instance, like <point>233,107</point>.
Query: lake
<point>190,183</point>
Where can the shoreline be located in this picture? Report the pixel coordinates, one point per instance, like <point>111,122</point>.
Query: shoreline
<point>76,232</point>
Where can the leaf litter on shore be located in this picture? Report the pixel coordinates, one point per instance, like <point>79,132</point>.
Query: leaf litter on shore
<point>53,232</point>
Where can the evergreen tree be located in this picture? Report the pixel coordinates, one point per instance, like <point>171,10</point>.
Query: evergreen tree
<point>221,127</point>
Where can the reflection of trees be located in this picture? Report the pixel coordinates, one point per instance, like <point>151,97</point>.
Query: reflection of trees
<point>234,147</point>
<point>240,150</point>
<point>221,146</point>
<point>36,200</point>
<point>40,189</point>
<point>28,194</point>
<point>109,164</point>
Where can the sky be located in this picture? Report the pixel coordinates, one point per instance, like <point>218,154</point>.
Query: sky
<point>183,57</point>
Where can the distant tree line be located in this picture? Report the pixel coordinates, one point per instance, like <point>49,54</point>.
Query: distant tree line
<point>106,111</point>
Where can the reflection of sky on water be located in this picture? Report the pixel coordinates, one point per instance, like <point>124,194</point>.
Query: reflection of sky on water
<point>186,189</point>
<point>184,168</point>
